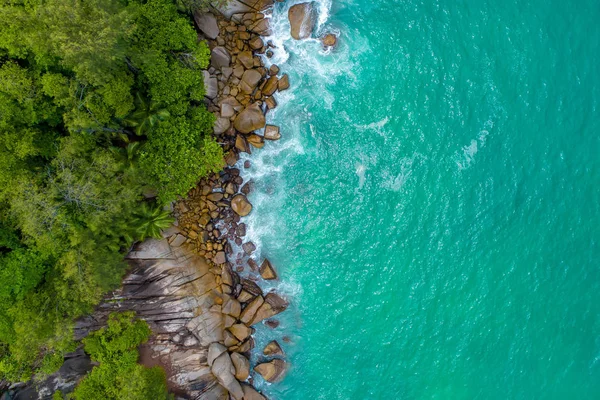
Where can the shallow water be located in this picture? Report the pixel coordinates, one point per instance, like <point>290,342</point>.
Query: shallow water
<point>433,206</point>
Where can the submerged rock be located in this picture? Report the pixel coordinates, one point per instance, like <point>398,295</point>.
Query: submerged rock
<point>303,18</point>
<point>329,40</point>
<point>272,371</point>
<point>273,349</point>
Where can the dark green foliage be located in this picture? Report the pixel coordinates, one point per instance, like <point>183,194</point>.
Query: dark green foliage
<point>119,376</point>
<point>100,101</point>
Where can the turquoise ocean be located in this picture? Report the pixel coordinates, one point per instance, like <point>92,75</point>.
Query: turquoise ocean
<point>433,207</point>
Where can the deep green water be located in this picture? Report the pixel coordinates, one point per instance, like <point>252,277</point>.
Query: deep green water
<point>434,204</point>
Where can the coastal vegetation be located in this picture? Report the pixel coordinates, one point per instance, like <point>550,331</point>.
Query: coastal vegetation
<point>119,376</point>
<point>101,124</point>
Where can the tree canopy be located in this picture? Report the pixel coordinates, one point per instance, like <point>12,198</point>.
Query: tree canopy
<point>100,101</point>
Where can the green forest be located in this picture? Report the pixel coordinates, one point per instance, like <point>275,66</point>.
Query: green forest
<point>102,124</point>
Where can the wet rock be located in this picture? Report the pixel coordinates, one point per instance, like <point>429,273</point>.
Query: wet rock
<point>273,305</point>
<point>219,57</point>
<point>207,23</point>
<point>272,132</point>
<point>267,271</point>
<point>241,205</point>
<point>251,309</point>
<point>256,43</point>
<point>242,367</point>
<point>329,40</point>
<point>250,119</point>
<point>273,70</point>
<point>284,83</point>
<point>272,323</point>
<point>256,141</point>
<point>303,18</point>
<point>273,349</point>
<point>270,86</point>
<point>272,371</point>
<point>249,248</point>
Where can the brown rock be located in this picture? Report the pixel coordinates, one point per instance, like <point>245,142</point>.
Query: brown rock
<point>251,394</point>
<point>232,307</point>
<point>272,371</point>
<point>241,205</point>
<point>249,248</point>
<point>272,132</point>
<point>270,86</point>
<point>272,323</point>
<point>250,119</point>
<point>329,40</point>
<point>224,371</point>
<point>216,196</point>
<point>303,18</point>
<point>246,58</point>
<point>221,125</point>
<point>250,311</point>
<point>273,349</point>
<point>271,103</point>
<point>230,340</point>
<point>242,367</point>
<point>240,331</point>
<point>249,81</point>
<point>256,43</point>
<point>207,24</point>
<point>214,351</point>
<point>267,271</point>
<point>284,83</point>
<point>241,144</point>
<point>274,69</point>
<point>273,305</point>
<point>220,258</point>
<point>256,141</point>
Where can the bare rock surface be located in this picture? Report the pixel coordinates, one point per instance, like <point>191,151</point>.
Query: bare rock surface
<point>303,18</point>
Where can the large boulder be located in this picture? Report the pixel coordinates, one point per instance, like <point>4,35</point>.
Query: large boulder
<point>220,57</point>
<point>207,23</point>
<point>224,371</point>
<point>303,18</point>
<point>242,367</point>
<point>270,86</point>
<point>240,331</point>
<point>251,394</point>
<point>250,311</point>
<point>250,119</point>
<point>267,271</point>
<point>329,40</point>
<point>273,305</point>
<point>272,371</point>
<point>284,83</point>
<point>249,81</point>
<point>241,205</point>
<point>272,132</point>
<point>273,349</point>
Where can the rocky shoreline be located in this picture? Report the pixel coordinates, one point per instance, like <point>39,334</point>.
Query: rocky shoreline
<point>198,286</point>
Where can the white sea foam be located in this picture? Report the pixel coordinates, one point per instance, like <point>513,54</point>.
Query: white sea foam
<point>466,157</point>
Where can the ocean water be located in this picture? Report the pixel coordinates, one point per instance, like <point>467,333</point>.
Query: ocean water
<point>433,207</point>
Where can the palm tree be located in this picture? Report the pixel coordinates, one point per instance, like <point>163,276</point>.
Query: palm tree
<point>147,115</point>
<point>150,220</point>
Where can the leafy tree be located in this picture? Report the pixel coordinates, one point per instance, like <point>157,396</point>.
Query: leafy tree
<point>146,115</point>
<point>119,376</point>
<point>151,220</point>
